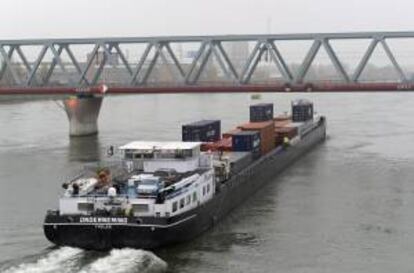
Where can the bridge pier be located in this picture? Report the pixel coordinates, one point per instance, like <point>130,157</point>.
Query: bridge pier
<point>83,115</point>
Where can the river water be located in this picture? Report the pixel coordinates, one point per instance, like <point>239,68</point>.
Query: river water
<point>345,207</point>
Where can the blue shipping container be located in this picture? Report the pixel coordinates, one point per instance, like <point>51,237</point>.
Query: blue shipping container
<point>246,141</point>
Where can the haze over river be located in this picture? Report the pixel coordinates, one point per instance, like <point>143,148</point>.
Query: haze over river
<point>348,206</point>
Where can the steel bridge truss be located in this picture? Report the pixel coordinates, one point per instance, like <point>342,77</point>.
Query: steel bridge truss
<point>159,49</point>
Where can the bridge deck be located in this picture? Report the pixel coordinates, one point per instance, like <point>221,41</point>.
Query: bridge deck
<point>251,88</point>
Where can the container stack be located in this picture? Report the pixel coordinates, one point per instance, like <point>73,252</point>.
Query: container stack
<point>259,136</point>
<point>266,130</point>
<point>302,110</point>
<point>261,112</point>
<point>204,131</point>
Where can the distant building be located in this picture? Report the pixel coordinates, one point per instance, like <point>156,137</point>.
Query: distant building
<point>188,56</point>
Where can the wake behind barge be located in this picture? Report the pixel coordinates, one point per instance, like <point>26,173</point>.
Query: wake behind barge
<point>168,192</point>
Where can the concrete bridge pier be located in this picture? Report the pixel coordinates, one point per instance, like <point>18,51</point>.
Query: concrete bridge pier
<point>83,115</point>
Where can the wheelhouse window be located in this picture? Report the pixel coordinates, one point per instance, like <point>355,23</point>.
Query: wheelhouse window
<point>128,154</point>
<point>85,207</point>
<point>194,196</point>
<point>137,156</point>
<point>174,206</point>
<point>149,155</point>
<point>183,153</point>
<point>187,153</point>
<point>188,200</point>
<point>208,188</point>
<point>165,154</point>
<point>178,154</point>
<point>182,203</point>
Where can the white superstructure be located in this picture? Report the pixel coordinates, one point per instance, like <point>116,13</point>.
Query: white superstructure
<point>151,156</point>
<point>164,179</point>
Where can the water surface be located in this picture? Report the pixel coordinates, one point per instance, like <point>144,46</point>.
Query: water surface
<point>345,207</point>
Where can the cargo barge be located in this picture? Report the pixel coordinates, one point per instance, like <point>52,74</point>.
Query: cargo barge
<point>163,193</point>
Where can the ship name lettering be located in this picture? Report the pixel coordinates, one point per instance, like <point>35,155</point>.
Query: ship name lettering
<point>121,220</point>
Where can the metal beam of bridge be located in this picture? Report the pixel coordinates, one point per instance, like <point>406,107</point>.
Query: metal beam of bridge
<point>159,49</point>
<point>119,90</point>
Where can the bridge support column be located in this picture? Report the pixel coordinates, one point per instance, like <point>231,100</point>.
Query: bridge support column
<point>83,115</point>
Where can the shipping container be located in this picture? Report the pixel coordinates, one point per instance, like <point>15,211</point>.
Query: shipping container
<point>224,144</point>
<point>204,130</point>
<point>266,131</point>
<point>261,112</point>
<point>279,139</point>
<point>302,110</point>
<point>287,131</point>
<point>208,146</point>
<point>247,141</point>
<point>231,133</point>
<point>281,123</point>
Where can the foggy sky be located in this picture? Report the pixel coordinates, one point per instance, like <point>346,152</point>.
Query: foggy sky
<point>109,18</point>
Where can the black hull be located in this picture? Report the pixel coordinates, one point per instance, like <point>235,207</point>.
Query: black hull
<point>150,233</point>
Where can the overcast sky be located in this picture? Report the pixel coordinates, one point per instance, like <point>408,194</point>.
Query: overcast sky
<point>93,18</point>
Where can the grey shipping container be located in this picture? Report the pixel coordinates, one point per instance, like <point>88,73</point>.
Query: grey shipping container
<point>203,130</point>
<point>302,110</point>
<point>261,112</point>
